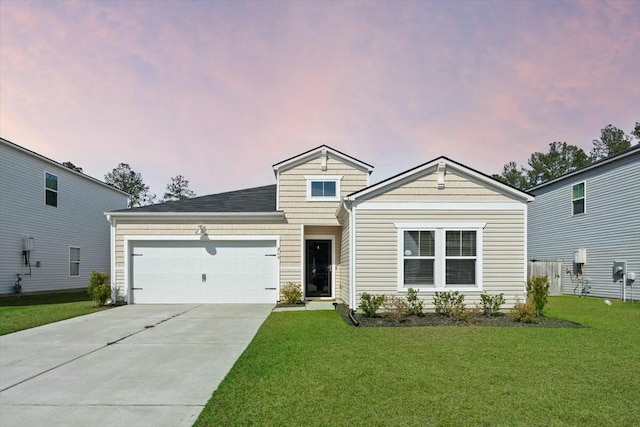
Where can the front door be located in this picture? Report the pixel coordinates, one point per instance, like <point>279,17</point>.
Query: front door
<point>318,268</point>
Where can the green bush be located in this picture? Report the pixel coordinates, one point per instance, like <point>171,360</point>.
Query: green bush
<point>449,304</point>
<point>537,292</point>
<point>370,304</point>
<point>524,312</point>
<point>99,288</point>
<point>395,308</point>
<point>291,293</point>
<point>414,304</point>
<point>491,304</point>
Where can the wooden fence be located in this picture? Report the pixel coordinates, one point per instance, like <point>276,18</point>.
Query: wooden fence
<point>550,268</point>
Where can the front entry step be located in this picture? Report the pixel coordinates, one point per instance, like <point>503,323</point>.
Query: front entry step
<point>310,305</point>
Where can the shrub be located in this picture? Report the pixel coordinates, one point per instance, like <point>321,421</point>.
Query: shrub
<point>449,304</point>
<point>414,304</point>
<point>537,292</point>
<point>395,308</point>
<point>99,288</point>
<point>370,304</point>
<point>491,304</point>
<point>524,312</point>
<point>291,293</point>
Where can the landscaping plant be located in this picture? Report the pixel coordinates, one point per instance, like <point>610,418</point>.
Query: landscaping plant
<point>395,308</point>
<point>491,304</point>
<point>99,288</point>
<point>537,292</point>
<point>449,304</point>
<point>291,293</point>
<point>414,304</point>
<point>524,312</point>
<point>370,304</point>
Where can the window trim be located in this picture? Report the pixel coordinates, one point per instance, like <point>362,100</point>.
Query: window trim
<point>75,262</point>
<point>56,191</point>
<point>324,178</point>
<point>584,198</point>
<point>440,265</point>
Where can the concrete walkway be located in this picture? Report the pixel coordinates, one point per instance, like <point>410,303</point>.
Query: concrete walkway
<point>138,365</point>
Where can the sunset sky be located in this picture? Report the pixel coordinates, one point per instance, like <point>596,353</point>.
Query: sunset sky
<point>220,91</point>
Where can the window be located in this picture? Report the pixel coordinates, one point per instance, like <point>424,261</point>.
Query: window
<point>578,198</point>
<point>74,261</point>
<point>323,188</point>
<point>50,189</point>
<point>441,256</point>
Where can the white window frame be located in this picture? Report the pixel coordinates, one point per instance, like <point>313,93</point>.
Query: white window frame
<point>75,262</point>
<point>56,191</point>
<point>324,178</point>
<point>584,198</point>
<point>440,263</point>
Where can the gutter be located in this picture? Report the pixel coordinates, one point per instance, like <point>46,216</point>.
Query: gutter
<point>204,216</point>
<point>112,256</point>
<point>352,251</point>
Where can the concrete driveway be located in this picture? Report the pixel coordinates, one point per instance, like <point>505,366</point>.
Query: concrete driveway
<point>137,365</point>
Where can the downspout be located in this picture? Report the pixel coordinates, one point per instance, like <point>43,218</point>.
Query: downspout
<point>112,261</point>
<point>352,283</point>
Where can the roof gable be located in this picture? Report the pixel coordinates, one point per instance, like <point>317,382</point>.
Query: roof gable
<point>438,165</point>
<point>318,152</point>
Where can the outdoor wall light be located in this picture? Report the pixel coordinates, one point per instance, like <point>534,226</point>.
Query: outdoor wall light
<point>201,230</point>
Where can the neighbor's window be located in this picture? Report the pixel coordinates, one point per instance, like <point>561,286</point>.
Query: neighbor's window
<point>50,189</point>
<point>440,256</point>
<point>74,261</point>
<point>323,187</point>
<point>578,198</point>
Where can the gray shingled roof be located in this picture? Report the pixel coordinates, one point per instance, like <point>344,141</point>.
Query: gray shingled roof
<point>258,199</point>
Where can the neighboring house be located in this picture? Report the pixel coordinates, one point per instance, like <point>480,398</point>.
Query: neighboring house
<point>438,227</point>
<point>52,227</point>
<point>595,211</point>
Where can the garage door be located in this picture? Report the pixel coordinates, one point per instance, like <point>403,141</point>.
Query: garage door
<point>204,272</point>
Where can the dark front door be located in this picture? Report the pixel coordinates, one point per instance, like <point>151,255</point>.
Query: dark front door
<point>318,268</point>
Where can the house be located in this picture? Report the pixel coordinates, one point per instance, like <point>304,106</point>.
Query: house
<point>441,226</point>
<point>52,227</point>
<point>589,219</point>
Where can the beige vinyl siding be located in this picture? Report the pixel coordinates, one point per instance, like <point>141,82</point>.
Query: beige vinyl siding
<point>343,295</point>
<point>457,188</point>
<point>503,250</point>
<point>290,244</point>
<point>292,187</point>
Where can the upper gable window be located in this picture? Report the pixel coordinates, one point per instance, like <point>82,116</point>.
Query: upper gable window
<point>50,189</point>
<point>323,188</point>
<point>578,198</point>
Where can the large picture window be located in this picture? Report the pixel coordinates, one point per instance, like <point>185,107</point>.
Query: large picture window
<point>444,257</point>
<point>50,189</point>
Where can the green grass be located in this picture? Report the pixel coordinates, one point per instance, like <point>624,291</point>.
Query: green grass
<point>310,368</point>
<point>28,311</point>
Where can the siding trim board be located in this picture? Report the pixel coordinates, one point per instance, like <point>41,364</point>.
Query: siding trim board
<point>442,206</point>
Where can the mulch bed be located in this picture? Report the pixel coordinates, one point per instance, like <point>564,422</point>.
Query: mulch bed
<point>434,319</point>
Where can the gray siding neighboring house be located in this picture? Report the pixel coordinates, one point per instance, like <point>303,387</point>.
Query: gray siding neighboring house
<point>63,216</point>
<point>596,208</point>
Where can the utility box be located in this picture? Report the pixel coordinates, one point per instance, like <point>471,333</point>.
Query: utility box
<point>27,243</point>
<point>580,256</point>
<point>619,268</point>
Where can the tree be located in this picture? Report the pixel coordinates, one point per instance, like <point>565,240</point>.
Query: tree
<point>514,175</point>
<point>72,167</point>
<point>612,140</point>
<point>178,189</point>
<point>560,159</point>
<point>129,181</point>
<point>636,131</point>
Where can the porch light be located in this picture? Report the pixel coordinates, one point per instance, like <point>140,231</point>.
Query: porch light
<point>201,230</point>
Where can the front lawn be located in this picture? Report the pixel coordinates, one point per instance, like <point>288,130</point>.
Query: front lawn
<point>310,368</point>
<point>28,311</point>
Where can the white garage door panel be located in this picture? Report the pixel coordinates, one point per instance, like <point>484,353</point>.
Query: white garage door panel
<point>204,272</point>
